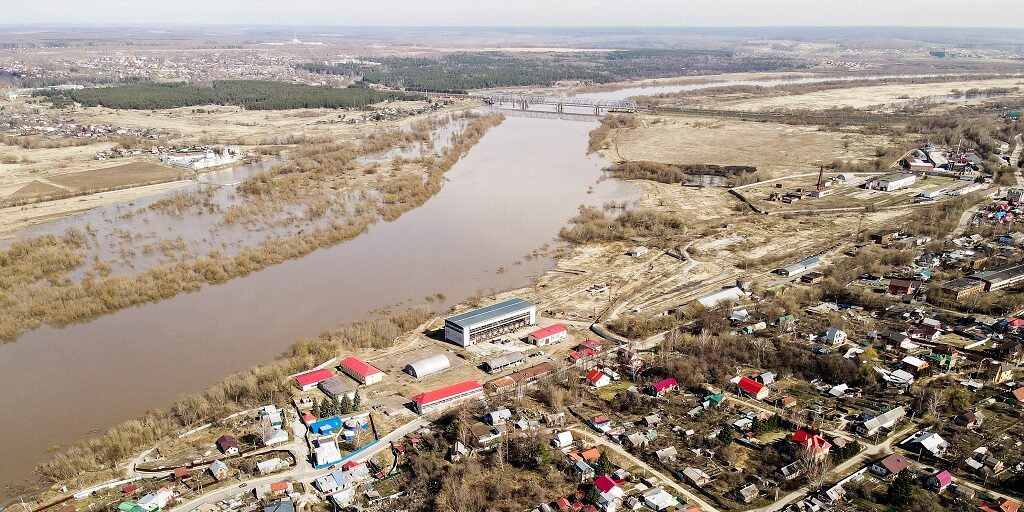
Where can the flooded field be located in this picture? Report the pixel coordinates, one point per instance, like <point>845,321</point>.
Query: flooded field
<point>506,198</point>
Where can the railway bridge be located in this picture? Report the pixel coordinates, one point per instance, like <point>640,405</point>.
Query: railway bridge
<point>599,106</point>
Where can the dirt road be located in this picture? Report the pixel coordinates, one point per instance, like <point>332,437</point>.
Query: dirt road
<point>693,498</point>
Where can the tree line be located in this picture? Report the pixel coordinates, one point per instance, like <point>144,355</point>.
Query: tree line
<point>459,72</point>
<point>249,94</point>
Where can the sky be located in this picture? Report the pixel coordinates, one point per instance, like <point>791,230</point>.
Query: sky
<point>660,13</point>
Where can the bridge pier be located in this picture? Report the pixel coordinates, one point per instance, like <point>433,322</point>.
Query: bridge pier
<point>560,108</point>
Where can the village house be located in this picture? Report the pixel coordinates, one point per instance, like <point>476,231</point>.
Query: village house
<point>750,387</point>
<point>562,440</point>
<point>664,386</point>
<point>697,477</point>
<point>891,465</point>
<point>970,419</point>
<point>903,286</point>
<point>748,493</point>
<point>929,442</point>
<point>611,493</point>
<point>658,500</point>
<point>835,336</point>
<point>598,378</point>
<point>227,445</point>
<point>870,424</point>
<point>219,470</point>
<point>814,443</point>
<point>582,471</point>
<point>939,482</point>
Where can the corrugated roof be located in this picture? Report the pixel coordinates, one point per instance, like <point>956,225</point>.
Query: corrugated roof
<point>446,392</point>
<point>505,360</point>
<point>359,366</point>
<point>313,377</point>
<point>488,313</point>
<point>548,331</point>
<point>428,366</point>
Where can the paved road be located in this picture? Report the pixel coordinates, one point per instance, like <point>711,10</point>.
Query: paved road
<point>693,498</point>
<point>302,472</point>
<point>1015,156</point>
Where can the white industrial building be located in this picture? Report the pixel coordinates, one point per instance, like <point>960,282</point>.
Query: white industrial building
<point>890,182</point>
<point>727,294</point>
<point>488,322</point>
<point>428,366</point>
<point>504,361</point>
<point>795,269</point>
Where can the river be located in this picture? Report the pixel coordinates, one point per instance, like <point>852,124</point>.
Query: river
<point>507,197</point>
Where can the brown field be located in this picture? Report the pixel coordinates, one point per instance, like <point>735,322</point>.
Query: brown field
<point>862,97</point>
<point>34,189</point>
<point>777,148</point>
<point>135,173</point>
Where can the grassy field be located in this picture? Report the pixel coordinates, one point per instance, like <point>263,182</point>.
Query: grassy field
<point>135,173</point>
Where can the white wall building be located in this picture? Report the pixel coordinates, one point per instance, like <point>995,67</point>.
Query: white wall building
<point>489,322</point>
<point>890,182</point>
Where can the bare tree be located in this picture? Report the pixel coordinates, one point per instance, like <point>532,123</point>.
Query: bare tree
<point>817,466</point>
<point>265,429</point>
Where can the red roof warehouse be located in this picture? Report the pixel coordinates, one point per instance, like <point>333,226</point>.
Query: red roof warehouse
<point>548,335</point>
<point>426,402</point>
<point>361,371</point>
<point>309,380</point>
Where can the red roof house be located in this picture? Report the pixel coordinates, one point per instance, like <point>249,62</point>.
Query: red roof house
<point>430,400</point>
<point>597,378</point>
<point>664,386</point>
<point>812,442</point>
<point>563,504</point>
<point>309,380</point>
<point>130,489</point>
<point>753,388</point>
<point>610,490</point>
<point>227,445</point>
<point>939,481</point>
<point>361,371</point>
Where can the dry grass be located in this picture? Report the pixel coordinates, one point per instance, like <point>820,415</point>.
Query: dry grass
<point>776,148</point>
<point>29,300</point>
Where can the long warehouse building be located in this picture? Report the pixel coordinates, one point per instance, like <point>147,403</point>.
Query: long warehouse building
<point>447,396</point>
<point>488,322</point>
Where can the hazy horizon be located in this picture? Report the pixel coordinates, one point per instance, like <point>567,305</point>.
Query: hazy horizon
<point>523,13</point>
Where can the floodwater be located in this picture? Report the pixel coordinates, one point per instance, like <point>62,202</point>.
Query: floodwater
<point>506,198</point>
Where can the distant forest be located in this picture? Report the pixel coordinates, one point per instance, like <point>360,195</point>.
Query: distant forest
<point>250,94</point>
<point>460,72</point>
